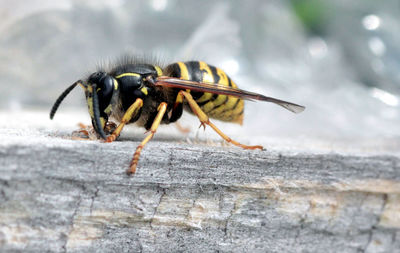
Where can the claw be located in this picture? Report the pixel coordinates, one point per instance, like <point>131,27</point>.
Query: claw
<point>131,170</point>
<point>110,138</point>
<point>202,124</point>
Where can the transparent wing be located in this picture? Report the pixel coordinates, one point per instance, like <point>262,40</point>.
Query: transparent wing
<point>216,88</point>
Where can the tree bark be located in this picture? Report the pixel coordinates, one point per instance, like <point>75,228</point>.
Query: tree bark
<point>61,195</point>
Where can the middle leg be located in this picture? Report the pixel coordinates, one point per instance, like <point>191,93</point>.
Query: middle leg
<point>162,108</point>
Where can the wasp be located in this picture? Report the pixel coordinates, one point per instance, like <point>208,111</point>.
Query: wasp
<point>138,92</point>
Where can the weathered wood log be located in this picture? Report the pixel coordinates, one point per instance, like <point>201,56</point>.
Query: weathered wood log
<point>61,195</point>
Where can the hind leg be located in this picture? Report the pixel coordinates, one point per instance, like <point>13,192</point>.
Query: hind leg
<point>206,121</point>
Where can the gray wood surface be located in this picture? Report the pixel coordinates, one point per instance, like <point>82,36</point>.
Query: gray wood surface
<point>61,195</point>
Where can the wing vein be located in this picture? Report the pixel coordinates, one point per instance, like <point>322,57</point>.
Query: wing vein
<point>224,90</point>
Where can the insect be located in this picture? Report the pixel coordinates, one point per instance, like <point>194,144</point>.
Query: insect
<point>135,91</point>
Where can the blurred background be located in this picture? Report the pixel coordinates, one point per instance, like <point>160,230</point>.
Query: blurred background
<point>341,59</point>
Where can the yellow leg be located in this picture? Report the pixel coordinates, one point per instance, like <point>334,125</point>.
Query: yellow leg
<point>131,112</point>
<point>162,108</point>
<point>205,120</point>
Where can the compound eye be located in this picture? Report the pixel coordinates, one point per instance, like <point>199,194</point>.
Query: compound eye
<point>106,86</point>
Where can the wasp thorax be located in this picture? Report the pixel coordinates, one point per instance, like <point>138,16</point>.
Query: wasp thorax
<point>131,80</point>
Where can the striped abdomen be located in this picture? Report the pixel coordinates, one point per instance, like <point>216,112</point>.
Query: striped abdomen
<point>221,107</point>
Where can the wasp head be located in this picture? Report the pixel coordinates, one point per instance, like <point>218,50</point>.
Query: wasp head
<point>99,90</point>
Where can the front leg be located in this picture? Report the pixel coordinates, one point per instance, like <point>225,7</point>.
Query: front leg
<point>129,114</point>
<point>87,132</point>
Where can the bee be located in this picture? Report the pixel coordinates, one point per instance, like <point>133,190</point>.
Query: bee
<point>137,92</point>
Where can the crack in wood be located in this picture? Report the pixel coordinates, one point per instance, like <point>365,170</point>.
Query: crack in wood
<point>3,194</point>
<point>376,223</point>
<point>94,196</point>
<point>393,239</point>
<point>225,230</point>
<point>164,192</point>
<point>72,223</point>
<point>302,224</point>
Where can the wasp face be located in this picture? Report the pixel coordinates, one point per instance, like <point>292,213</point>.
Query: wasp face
<point>99,90</point>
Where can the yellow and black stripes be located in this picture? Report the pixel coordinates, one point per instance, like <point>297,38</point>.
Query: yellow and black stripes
<point>135,91</point>
<point>222,107</point>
